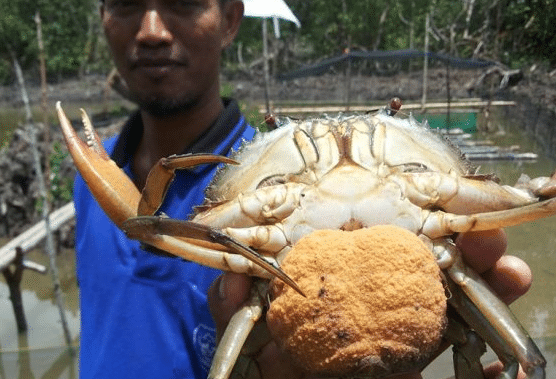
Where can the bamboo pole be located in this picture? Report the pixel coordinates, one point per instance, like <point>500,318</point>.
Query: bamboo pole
<point>426,63</point>
<point>44,97</point>
<point>30,238</point>
<point>448,96</point>
<point>44,183</point>
<point>45,209</point>
<point>475,104</point>
<point>266,68</point>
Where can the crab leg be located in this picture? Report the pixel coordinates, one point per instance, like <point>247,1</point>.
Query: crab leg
<point>235,335</point>
<point>139,227</point>
<point>162,174</point>
<point>438,224</point>
<point>467,195</point>
<point>491,318</point>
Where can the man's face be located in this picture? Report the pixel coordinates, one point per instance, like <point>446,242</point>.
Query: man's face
<point>168,51</point>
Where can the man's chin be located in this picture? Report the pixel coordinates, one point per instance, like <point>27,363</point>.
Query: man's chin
<point>164,107</point>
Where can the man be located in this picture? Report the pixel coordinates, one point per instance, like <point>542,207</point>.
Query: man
<point>143,315</point>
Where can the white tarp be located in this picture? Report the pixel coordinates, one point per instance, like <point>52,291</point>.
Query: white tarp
<point>270,9</point>
<point>275,9</point>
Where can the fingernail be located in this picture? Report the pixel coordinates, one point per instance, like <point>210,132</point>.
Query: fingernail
<point>222,288</point>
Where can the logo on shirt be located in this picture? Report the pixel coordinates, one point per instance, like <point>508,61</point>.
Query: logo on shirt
<point>204,340</point>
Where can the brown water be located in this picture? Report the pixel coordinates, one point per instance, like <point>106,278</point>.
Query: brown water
<point>41,353</point>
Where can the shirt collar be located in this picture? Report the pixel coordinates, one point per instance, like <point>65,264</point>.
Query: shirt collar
<point>214,140</point>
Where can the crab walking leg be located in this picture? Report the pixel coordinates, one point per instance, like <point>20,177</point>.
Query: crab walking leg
<point>162,174</point>
<point>438,224</point>
<point>235,335</point>
<point>220,260</point>
<point>491,318</point>
<point>151,229</point>
<point>462,195</point>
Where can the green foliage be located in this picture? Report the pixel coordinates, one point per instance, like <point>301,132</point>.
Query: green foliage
<point>226,90</point>
<point>510,31</point>
<point>61,187</point>
<point>253,117</point>
<point>68,28</point>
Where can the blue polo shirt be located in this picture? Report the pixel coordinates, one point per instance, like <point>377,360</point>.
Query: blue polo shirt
<point>143,315</point>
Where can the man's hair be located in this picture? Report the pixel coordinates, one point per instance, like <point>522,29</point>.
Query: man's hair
<point>221,1</point>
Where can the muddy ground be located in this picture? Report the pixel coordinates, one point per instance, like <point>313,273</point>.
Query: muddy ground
<point>19,189</point>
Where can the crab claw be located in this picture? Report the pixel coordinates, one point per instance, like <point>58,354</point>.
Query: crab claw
<point>112,188</point>
<point>114,191</point>
<point>121,201</point>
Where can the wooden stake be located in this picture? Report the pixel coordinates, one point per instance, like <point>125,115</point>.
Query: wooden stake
<point>266,68</point>
<point>13,279</point>
<point>45,209</point>
<point>426,63</point>
<point>44,98</point>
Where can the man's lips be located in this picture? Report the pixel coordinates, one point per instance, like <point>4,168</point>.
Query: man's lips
<point>156,69</point>
<point>161,63</point>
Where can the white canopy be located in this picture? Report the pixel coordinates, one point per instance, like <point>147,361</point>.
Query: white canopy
<point>264,9</point>
<point>268,9</point>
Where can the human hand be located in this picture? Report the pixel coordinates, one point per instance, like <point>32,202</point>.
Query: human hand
<point>509,276</point>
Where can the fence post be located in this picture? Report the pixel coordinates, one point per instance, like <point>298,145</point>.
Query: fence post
<point>13,279</point>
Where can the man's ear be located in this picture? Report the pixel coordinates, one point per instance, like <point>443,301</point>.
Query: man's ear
<point>232,17</point>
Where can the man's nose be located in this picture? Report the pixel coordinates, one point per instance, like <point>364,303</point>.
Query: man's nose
<point>153,30</point>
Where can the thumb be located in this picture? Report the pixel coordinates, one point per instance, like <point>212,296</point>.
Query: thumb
<point>225,296</point>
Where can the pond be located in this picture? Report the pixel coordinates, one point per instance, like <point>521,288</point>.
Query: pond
<point>41,353</point>
<point>533,242</point>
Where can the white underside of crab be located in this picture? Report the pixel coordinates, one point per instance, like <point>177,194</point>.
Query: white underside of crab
<point>370,182</point>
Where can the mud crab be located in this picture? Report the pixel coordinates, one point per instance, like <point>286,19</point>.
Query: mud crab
<point>334,173</point>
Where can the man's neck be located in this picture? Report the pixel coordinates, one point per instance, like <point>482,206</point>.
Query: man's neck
<point>163,137</point>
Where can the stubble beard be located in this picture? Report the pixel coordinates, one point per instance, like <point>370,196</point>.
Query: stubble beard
<point>159,106</point>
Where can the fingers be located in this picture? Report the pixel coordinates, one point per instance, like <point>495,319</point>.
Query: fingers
<point>482,249</point>
<point>277,365</point>
<point>508,276</point>
<point>493,370</point>
<point>225,297</point>
<point>407,376</point>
